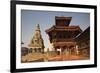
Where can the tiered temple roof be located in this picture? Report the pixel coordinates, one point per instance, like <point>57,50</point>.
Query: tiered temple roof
<point>64,28</point>
<point>62,21</point>
<point>62,24</point>
<point>62,34</point>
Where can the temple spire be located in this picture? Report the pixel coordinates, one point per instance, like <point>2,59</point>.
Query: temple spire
<point>37,27</point>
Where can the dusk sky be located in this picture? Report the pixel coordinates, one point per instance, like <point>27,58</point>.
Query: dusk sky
<point>46,19</point>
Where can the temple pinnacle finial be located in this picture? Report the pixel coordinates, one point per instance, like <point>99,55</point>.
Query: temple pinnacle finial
<point>37,27</point>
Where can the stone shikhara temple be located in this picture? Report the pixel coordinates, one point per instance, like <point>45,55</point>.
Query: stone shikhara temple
<point>34,51</point>
<point>66,39</point>
<point>36,44</point>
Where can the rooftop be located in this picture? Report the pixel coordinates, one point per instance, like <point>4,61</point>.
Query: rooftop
<point>65,21</point>
<point>64,28</point>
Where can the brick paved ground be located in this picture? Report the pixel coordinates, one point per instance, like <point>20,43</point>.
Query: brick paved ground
<point>39,57</point>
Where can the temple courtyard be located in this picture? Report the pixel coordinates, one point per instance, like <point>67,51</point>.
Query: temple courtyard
<point>47,57</point>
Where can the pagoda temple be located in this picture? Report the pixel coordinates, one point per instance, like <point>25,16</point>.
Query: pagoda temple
<point>36,44</point>
<point>62,35</point>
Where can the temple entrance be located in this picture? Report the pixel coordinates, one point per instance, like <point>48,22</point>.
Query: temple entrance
<point>65,50</point>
